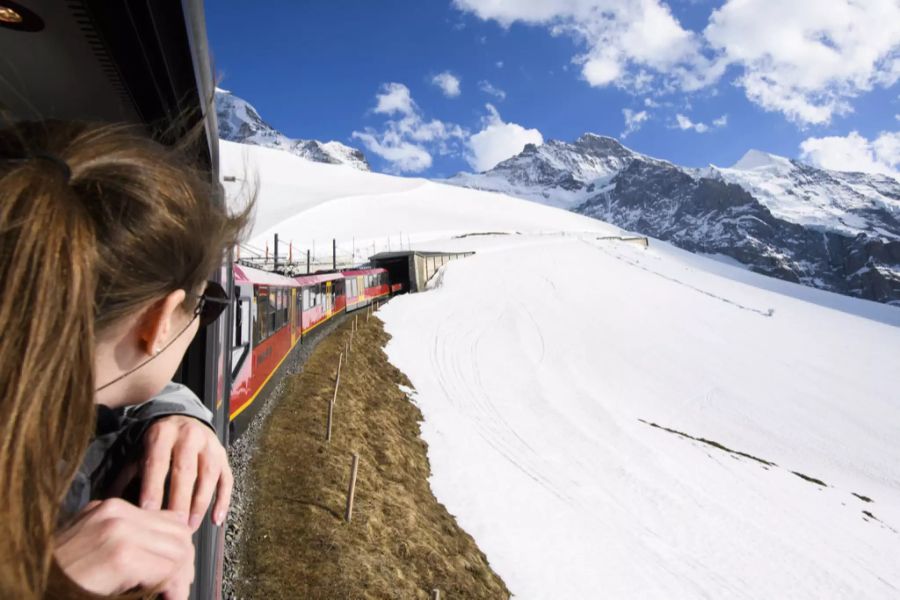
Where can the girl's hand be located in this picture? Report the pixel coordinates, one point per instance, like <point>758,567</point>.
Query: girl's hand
<point>198,465</point>
<point>113,546</point>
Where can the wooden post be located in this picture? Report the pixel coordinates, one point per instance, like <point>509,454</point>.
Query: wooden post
<point>330,418</point>
<point>337,379</point>
<point>351,491</point>
<point>435,594</point>
<point>337,382</point>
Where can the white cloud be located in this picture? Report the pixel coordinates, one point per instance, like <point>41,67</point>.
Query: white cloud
<point>498,141</point>
<point>633,121</point>
<point>808,58</point>
<point>685,123</point>
<point>897,116</point>
<point>407,141</point>
<point>499,64</point>
<point>488,88</point>
<point>394,98</point>
<point>404,156</point>
<point>627,43</point>
<point>855,153</point>
<point>448,82</point>
<point>651,103</point>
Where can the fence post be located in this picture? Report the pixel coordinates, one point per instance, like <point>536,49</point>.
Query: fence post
<point>435,594</point>
<point>329,421</point>
<point>337,379</point>
<point>351,491</point>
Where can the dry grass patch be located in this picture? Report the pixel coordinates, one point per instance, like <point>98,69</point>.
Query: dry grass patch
<point>401,542</point>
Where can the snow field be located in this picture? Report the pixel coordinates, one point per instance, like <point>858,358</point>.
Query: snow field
<point>540,363</point>
<point>534,367</point>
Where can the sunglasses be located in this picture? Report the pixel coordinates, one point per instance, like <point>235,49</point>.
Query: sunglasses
<point>213,302</point>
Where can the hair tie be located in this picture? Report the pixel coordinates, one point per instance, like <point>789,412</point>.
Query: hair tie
<point>60,163</point>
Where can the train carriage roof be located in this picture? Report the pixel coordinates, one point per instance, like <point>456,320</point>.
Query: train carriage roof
<point>305,280</point>
<point>245,274</point>
<point>356,272</point>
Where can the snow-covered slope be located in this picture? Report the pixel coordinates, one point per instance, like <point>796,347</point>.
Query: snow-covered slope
<point>302,201</point>
<point>850,203</point>
<point>836,231</point>
<point>240,122</point>
<point>608,420</point>
<point>617,422</point>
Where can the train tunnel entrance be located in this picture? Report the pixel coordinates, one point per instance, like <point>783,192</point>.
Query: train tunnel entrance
<point>413,268</point>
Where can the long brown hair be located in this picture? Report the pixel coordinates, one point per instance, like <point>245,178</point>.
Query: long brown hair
<point>132,221</point>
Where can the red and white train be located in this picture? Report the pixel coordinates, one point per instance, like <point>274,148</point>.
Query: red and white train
<point>274,313</point>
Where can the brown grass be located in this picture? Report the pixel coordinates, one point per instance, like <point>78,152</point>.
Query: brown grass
<point>401,542</point>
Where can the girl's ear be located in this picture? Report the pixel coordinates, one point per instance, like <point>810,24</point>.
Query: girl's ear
<point>159,322</point>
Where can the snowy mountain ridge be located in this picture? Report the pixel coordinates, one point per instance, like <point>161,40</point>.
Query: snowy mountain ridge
<point>240,122</point>
<point>833,230</point>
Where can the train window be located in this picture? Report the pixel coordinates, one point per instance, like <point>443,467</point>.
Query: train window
<point>238,323</point>
<point>262,310</point>
<point>287,303</point>
<point>305,298</point>
<point>276,311</point>
<point>273,311</point>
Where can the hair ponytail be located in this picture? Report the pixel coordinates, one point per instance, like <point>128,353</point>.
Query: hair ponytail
<point>47,257</point>
<point>99,223</point>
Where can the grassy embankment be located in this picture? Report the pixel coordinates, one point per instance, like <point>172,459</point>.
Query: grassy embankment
<point>401,543</point>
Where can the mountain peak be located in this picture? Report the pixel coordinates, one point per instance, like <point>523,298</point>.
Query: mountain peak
<point>588,138</point>
<point>757,159</point>
<point>240,122</point>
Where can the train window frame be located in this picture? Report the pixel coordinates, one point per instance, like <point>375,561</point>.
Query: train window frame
<point>263,303</point>
<point>244,331</point>
<point>272,314</point>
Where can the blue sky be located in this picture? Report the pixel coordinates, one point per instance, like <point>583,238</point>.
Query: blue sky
<point>314,69</point>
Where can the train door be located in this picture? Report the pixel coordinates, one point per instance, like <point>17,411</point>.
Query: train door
<point>292,310</point>
<point>329,299</point>
<point>243,303</point>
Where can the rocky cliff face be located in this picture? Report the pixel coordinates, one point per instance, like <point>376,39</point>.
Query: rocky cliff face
<point>240,122</point>
<point>831,230</point>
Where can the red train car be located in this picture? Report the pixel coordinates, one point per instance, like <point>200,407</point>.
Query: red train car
<point>273,313</point>
<point>266,329</point>
<point>363,286</point>
<point>321,298</point>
